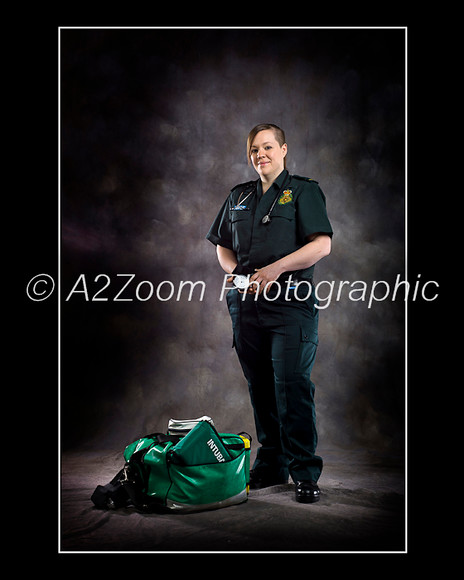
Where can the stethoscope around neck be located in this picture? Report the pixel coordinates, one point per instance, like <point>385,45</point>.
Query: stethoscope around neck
<point>267,218</point>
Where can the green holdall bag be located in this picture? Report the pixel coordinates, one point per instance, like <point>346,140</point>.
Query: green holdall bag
<point>199,471</point>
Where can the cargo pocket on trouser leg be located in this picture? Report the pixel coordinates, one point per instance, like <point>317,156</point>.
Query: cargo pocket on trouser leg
<point>293,356</point>
<point>295,395</point>
<point>309,334</point>
<point>309,340</point>
<point>304,463</point>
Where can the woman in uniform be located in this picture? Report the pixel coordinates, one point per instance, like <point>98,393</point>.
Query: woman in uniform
<point>269,234</point>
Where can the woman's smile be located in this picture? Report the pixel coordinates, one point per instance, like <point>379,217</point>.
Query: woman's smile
<point>267,156</point>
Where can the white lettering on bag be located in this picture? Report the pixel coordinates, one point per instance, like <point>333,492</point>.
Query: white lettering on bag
<point>217,454</point>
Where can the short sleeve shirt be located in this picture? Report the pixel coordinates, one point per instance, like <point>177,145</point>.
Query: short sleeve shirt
<point>296,207</point>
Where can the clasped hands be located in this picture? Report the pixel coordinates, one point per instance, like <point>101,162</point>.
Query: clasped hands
<point>262,279</point>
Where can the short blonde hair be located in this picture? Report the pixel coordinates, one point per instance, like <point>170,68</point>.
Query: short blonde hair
<point>278,133</point>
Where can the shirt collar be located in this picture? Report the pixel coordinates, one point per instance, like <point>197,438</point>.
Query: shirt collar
<point>278,181</point>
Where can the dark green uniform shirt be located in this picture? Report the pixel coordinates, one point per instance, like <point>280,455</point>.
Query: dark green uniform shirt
<point>298,210</point>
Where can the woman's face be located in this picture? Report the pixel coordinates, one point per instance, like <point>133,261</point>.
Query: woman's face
<point>267,155</point>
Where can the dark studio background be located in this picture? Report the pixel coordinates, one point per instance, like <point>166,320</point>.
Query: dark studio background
<point>153,132</point>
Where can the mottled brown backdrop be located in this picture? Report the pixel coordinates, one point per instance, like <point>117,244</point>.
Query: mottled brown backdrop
<point>153,131</point>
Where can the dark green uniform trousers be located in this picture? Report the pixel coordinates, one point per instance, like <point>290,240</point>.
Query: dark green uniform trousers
<point>276,342</point>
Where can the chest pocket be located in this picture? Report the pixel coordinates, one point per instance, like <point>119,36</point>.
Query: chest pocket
<point>281,232</point>
<point>240,218</point>
<point>286,211</point>
<point>238,214</point>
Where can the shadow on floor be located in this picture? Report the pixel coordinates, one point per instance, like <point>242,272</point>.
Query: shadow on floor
<point>361,510</point>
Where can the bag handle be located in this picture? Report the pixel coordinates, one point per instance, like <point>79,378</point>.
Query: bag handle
<point>247,434</point>
<point>238,446</point>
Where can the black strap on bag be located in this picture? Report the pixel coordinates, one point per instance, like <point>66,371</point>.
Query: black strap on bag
<point>238,446</point>
<point>125,487</point>
<point>113,495</point>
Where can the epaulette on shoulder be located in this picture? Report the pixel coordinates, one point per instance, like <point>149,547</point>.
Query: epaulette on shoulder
<point>244,186</point>
<point>305,178</point>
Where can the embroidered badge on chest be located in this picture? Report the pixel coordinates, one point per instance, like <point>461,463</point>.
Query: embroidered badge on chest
<point>286,197</point>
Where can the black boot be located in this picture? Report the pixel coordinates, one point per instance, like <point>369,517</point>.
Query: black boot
<point>306,492</point>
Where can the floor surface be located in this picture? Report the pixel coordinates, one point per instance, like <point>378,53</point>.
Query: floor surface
<point>362,509</point>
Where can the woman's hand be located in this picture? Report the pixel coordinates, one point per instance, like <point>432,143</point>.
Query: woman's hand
<point>317,246</point>
<point>265,277</point>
